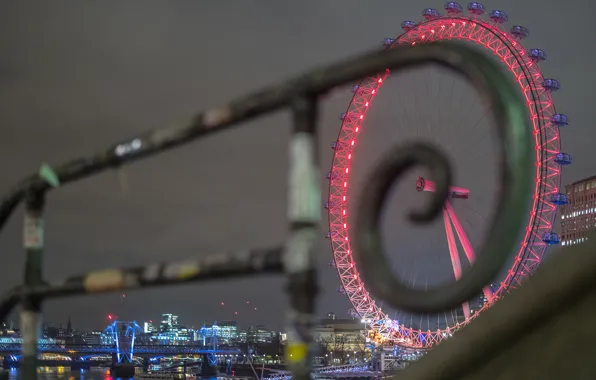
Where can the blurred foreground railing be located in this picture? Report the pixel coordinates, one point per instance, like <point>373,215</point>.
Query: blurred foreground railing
<point>296,258</point>
<point>544,330</point>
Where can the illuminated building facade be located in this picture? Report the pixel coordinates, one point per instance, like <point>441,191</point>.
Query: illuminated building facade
<point>225,333</point>
<point>148,327</point>
<point>169,322</point>
<point>260,334</point>
<point>174,337</point>
<point>93,337</point>
<point>228,332</point>
<point>579,215</point>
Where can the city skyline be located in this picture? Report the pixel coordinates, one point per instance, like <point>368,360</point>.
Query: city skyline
<point>71,86</point>
<point>157,321</point>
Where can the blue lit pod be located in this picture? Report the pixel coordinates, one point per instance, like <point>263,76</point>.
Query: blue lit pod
<point>453,8</point>
<point>332,263</point>
<point>551,84</point>
<point>330,234</point>
<point>475,8</point>
<point>430,13</point>
<point>559,199</point>
<point>563,159</point>
<point>560,120</point>
<point>347,117</point>
<point>341,290</point>
<point>336,145</point>
<point>355,88</point>
<point>551,238</point>
<point>332,175</point>
<point>537,55</point>
<point>329,205</point>
<point>499,17</point>
<point>520,32</point>
<point>388,41</point>
<point>408,25</point>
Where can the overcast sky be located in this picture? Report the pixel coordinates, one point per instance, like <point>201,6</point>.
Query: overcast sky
<point>76,76</point>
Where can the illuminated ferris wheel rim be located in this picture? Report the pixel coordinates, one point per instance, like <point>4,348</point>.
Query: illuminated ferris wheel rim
<point>545,121</point>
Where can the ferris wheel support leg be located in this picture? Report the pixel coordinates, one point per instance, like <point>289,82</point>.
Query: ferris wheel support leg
<point>465,242</point>
<point>454,254</point>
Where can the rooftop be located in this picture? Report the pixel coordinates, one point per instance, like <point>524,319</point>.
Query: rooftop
<point>583,180</point>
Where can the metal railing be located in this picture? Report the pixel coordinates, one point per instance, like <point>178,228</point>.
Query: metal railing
<point>295,259</point>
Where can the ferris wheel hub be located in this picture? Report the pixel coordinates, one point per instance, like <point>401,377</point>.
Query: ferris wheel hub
<point>423,184</point>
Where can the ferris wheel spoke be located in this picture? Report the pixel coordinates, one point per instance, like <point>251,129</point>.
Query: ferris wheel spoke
<point>461,234</point>
<point>454,254</point>
<point>465,242</point>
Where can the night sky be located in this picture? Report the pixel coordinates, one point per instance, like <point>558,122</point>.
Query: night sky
<point>77,76</point>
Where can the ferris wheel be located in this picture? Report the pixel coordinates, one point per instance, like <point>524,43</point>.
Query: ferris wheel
<point>489,33</point>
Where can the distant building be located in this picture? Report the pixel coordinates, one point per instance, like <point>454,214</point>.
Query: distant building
<point>223,333</point>
<point>579,215</point>
<point>93,337</point>
<point>346,333</point>
<point>7,329</point>
<point>174,337</point>
<point>169,322</point>
<point>242,337</point>
<point>227,332</point>
<point>260,334</point>
<point>340,340</point>
<point>148,327</point>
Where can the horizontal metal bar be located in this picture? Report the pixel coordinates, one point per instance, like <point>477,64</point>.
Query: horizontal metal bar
<point>267,100</point>
<point>218,266</point>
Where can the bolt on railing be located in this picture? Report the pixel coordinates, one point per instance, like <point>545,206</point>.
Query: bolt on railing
<point>296,259</point>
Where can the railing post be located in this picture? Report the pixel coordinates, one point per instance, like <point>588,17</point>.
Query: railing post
<point>304,216</point>
<point>33,241</point>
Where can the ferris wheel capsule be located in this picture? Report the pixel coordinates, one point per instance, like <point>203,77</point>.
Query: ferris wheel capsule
<point>560,120</point>
<point>563,159</point>
<point>559,199</point>
<point>430,13</point>
<point>551,84</point>
<point>499,17</point>
<point>329,205</point>
<point>476,8</point>
<point>348,117</point>
<point>336,145</point>
<point>353,313</point>
<point>551,238</point>
<point>453,8</point>
<point>388,41</point>
<point>408,25</point>
<point>537,55</point>
<point>519,31</point>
